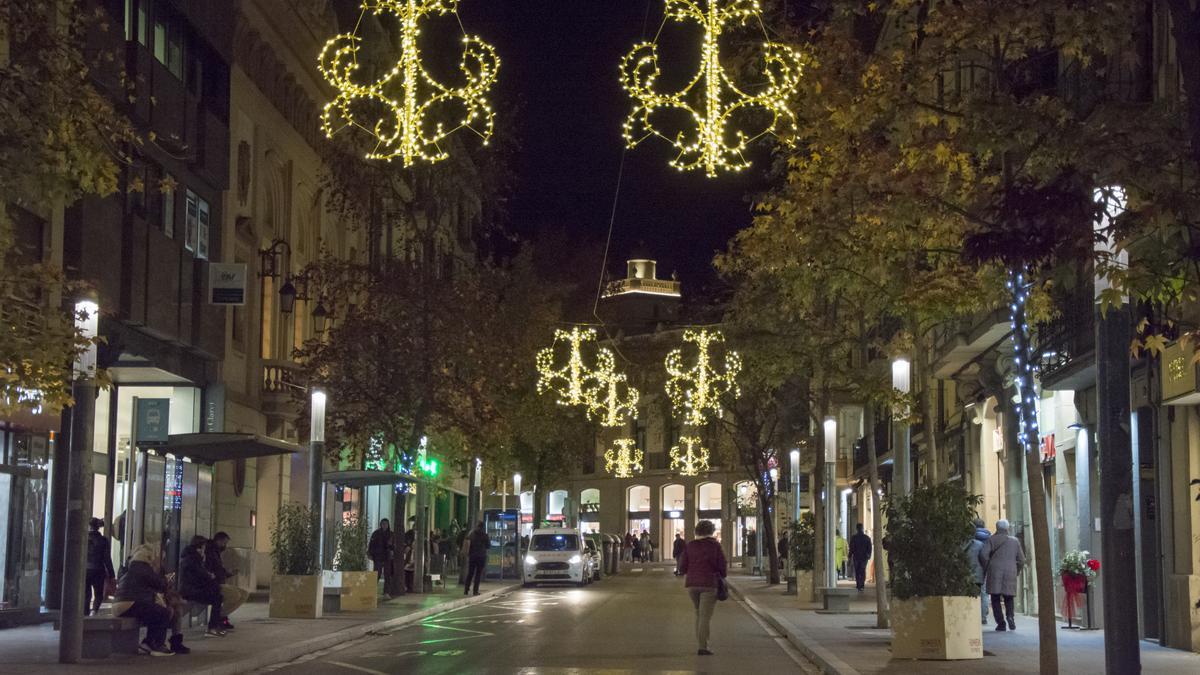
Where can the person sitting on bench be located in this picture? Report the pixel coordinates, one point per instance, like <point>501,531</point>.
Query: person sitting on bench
<point>198,585</point>
<point>141,594</point>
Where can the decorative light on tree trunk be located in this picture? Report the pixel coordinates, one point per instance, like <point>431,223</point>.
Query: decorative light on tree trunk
<point>613,401</point>
<point>711,97</point>
<point>404,108</point>
<point>624,460</point>
<point>1027,432</point>
<point>689,458</point>
<point>573,381</point>
<point>697,390</point>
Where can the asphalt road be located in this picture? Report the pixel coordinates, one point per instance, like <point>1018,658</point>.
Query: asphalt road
<point>638,622</point>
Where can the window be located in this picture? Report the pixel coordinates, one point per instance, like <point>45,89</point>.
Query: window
<point>135,20</point>
<point>168,206</point>
<point>554,542</point>
<point>168,42</point>
<point>191,221</point>
<point>202,232</point>
<point>160,40</point>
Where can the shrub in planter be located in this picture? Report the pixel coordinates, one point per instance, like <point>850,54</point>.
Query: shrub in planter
<point>935,609</point>
<point>802,539</point>
<point>296,583</point>
<point>359,587</point>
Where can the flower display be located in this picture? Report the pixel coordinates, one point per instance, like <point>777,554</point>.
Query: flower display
<point>1077,563</point>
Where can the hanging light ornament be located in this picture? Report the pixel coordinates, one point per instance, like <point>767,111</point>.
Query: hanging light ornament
<point>624,460</point>
<point>697,391</point>
<point>689,458</point>
<point>613,401</point>
<point>711,97</point>
<point>574,382</point>
<point>401,106</point>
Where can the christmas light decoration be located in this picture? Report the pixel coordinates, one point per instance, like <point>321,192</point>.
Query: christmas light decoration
<point>697,391</point>
<point>609,405</point>
<point>689,458</point>
<point>404,108</point>
<point>711,97</point>
<point>624,460</point>
<point>1027,431</point>
<point>574,382</point>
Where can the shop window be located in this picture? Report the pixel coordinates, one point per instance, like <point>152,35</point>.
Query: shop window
<point>168,206</point>
<point>202,231</point>
<point>191,220</point>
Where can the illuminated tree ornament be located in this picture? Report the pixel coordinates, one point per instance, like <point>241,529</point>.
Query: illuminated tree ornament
<point>697,391</point>
<point>574,382</point>
<point>689,458</point>
<point>624,460</point>
<point>711,97</point>
<point>401,108</point>
<point>608,405</point>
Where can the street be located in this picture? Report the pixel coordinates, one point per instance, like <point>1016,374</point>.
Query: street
<point>639,621</point>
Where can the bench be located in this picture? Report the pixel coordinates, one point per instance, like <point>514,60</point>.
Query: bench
<point>836,599</point>
<point>104,635</point>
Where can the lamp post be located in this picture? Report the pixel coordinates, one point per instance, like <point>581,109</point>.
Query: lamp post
<point>517,489</point>
<point>316,478</point>
<point>79,485</point>
<point>795,476</point>
<point>830,502</point>
<point>902,382</point>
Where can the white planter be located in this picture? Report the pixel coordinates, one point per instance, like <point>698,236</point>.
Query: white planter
<point>944,628</point>
<point>806,589</point>
<point>296,596</point>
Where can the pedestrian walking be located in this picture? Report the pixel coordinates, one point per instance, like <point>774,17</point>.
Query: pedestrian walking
<point>1001,558</point>
<point>100,574</point>
<point>703,565</point>
<point>647,547</point>
<point>232,596</point>
<point>973,549</point>
<point>199,586</point>
<point>841,550</point>
<point>677,550</point>
<point>860,554</point>
<point>477,544</point>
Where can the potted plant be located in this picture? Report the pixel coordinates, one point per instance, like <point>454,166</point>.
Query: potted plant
<point>935,608</point>
<point>359,586</point>
<point>1076,569</point>
<point>296,586</point>
<point>802,540</point>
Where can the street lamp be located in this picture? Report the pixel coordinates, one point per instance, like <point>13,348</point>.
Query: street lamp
<point>902,382</point>
<point>316,455</point>
<point>320,316</point>
<point>830,502</point>
<point>517,489</point>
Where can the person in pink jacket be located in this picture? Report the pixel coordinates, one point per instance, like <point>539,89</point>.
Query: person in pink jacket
<point>703,565</point>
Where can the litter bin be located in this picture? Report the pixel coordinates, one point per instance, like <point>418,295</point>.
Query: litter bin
<point>614,557</point>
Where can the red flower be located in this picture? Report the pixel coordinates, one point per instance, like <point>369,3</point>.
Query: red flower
<point>1094,565</point>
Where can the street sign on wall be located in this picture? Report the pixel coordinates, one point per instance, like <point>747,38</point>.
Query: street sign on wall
<point>153,420</point>
<point>227,283</point>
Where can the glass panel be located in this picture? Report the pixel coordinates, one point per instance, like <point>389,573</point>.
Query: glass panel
<point>154,525</point>
<point>202,232</point>
<point>100,426</point>
<point>190,221</point>
<point>160,41</point>
<point>555,542</point>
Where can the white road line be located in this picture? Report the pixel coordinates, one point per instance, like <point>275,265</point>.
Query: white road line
<point>360,669</point>
<point>806,666</point>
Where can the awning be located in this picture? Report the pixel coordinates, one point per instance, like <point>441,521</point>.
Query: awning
<point>364,477</point>
<point>215,447</point>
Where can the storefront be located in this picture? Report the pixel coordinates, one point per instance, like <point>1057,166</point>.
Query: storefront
<point>24,483</point>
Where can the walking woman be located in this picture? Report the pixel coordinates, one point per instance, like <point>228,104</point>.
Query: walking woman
<point>703,564</point>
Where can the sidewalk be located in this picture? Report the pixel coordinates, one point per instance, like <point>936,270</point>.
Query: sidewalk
<point>847,644</point>
<point>258,640</point>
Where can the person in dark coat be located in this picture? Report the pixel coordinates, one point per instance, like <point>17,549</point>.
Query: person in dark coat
<point>678,546</point>
<point>99,567</point>
<point>703,565</point>
<point>141,594</point>
<point>860,554</point>
<point>478,543</point>
<point>973,549</point>
<point>1001,558</point>
<point>232,596</point>
<point>198,585</point>
<point>380,550</point>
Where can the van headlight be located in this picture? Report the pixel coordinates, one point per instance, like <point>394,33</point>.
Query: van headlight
<point>575,559</point>
<point>530,560</point>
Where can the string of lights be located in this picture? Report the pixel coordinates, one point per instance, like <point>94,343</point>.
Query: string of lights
<point>1027,432</point>
<point>689,458</point>
<point>614,401</point>
<point>624,460</point>
<point>696,391</point>
<point>711,97</point>
<point>404,108</point>
<point>573,381</point>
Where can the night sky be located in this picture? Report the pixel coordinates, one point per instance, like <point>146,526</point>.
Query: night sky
<point>559,62</point>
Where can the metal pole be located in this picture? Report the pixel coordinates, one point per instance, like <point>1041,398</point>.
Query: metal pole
<point>59,472</point>
<point>316,478</point>
<point>902,382</point>
<point>421,540</point>
<point>830,502</point>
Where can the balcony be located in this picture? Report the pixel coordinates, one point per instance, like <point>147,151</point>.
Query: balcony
<point>957,344</point>
<point>883,450</point>
<point>282,396</point>
<point>1065,346</point>
<point>648,286</point>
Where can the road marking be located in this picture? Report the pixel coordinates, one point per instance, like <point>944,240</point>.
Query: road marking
<point>805,665</point>
<point>473,634</point>
<point>360,669</point>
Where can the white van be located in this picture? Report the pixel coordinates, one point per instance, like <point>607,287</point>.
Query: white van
<point>556,554</point>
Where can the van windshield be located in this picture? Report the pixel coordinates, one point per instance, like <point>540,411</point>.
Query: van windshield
<point>554,542</point>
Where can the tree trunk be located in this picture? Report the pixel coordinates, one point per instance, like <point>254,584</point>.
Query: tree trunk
<point>882,619</point>
<point>538,476</point>
<point>921,378</point>
<point>1185,22</point>
<point>766,502</point>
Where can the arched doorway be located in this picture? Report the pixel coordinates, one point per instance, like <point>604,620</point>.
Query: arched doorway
<point>589,510</point>
<point>746,523</point>
<point>638,507</point>
<point>708,505</point>
<point>673,523</point>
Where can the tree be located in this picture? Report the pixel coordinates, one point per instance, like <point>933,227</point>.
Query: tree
<point>60,139</point>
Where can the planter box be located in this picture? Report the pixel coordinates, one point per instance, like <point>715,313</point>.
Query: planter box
<point>360,591</point>
<point>943,628</point>
<point>806,590</point>
<point>296,597</point>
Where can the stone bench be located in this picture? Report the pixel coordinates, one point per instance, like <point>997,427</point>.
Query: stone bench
<point>104,635</point>
<point>836,599</point>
